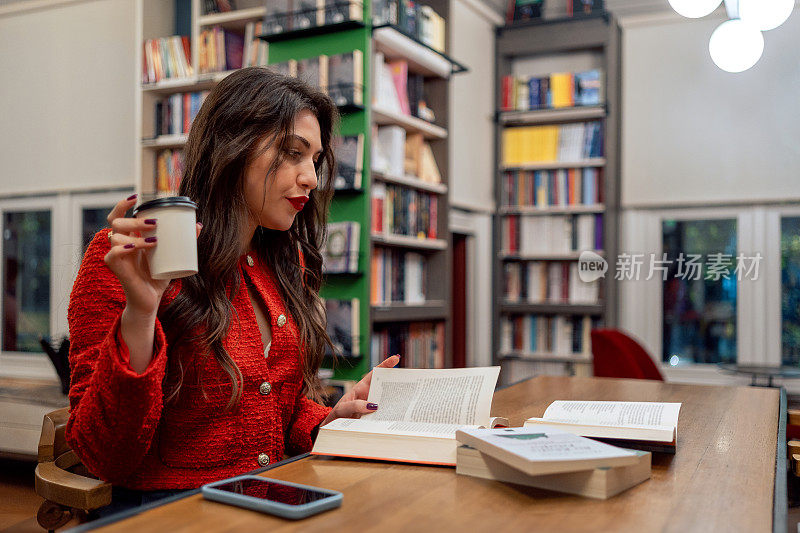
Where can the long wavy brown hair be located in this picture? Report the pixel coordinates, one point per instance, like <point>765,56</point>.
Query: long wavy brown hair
<point>248,106</point>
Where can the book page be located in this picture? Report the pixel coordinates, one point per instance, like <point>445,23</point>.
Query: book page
<point>390,427</point>
<point>541,444</point>
<point>460,396</point>
<point>620,414</point>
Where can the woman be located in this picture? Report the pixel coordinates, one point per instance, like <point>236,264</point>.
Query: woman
<point>175,384</point>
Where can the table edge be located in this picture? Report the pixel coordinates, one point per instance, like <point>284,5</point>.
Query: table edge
<point>128,513</point>
<point>780,509</point>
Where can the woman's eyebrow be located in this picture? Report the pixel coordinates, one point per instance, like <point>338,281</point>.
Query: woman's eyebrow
<point>304,141</point>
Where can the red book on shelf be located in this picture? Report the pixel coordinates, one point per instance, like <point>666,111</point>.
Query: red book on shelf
<point>187,112</point>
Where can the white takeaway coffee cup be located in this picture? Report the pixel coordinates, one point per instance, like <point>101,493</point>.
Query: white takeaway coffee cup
<point>175,254</point>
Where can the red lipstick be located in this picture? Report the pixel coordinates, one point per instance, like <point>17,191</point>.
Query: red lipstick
<point>298,202</point>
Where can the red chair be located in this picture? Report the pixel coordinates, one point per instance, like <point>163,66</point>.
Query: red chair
<point>616,355</point>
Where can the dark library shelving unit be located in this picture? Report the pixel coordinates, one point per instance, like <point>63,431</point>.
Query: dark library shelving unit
<point>598,34</point>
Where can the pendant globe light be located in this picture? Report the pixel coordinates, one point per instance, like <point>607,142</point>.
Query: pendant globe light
<point>694,8</point>
<point>736,45</point>
<point>765,14</point>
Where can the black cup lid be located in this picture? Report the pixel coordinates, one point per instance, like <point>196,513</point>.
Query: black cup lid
<point>170,201</point>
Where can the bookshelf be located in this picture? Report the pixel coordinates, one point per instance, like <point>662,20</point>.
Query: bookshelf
<point>542,315</point>
<point>157,19</point>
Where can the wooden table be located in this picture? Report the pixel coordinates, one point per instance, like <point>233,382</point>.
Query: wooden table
<point>723,477</point>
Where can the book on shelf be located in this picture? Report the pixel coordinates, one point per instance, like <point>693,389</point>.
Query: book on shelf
<point>403,211</point>
<point>421,343</point>
<point>521,10</point>
<point>397,276</point>
<point>340,252</point>
<point>552,188</point>
<point>566,143</point>
<point>419,21</point>
<point>278,16</point>
<point>343,327</point>
<point>419,412</point>
<point>643,425</point>
<point>547,282</point>
<point>599,483</point>
<point>256,50</point>
<point>349,150</point>
<point>169,170</point>
<point>220,50</point>
<point>218,6</point>
<point>398,91</point>
<point>544,450</point>
<point>346,78</point>
<point>556,234</point>
<point>554,91</point>
<point>334,389</point>
<point>308,14</point>
<point>166,58</point>
<point>338,11</point>
<point>555,337</point>
<point>174,114</point>
<point>314,71</point>
<point>388,150</point>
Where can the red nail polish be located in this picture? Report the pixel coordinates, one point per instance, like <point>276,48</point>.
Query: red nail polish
<point>151,239</point>
<point>129,245</point>
<point>200,224</point>
<point>150,221</point>
<point>372,406</point>
<point>132,196</point>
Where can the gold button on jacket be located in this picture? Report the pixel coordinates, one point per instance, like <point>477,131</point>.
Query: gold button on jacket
<point>263,459</point>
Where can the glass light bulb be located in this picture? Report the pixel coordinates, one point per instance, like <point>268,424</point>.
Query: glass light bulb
<point>694,9</point>
<point>765,14</point>
<point>735,45</point>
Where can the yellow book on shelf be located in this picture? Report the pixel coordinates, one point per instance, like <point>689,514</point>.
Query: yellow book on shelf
<point>550,143</point>
<point>535,144</point>
<point>561,89</point>
<point>508,146</point>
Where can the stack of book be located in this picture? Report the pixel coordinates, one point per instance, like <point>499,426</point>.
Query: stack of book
<point>166,58</point>
<point>400,210</point>
<point>397,276</point>
<point>547,282</point>
<point>421,343</point>
<point>552,188</point>
<point>174,115</point>
<point>343,327</point>
<point>340,252</point>
<point>558,234</point>
<point>553,452</point>
<point>398,153</point>
<point>398,91</point>
<point>169,170</point>
<point>551,336</point>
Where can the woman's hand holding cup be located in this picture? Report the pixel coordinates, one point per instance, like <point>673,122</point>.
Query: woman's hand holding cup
<point>127,259</point>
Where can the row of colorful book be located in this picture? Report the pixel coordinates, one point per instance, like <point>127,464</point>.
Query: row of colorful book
<point>552,188</point>
<point>340,75</point>
<point>420,343</point>
<point>175,113</point>
<point>565,143</point>
<point>555,234</point>
<point>564,336</point>
<point>166,58</point>
<point>220,49</point>
<point>398,210</point>
<point>169,170</point>
<point>558,90</point>
<point>397,276</point>
<point>547,282</point>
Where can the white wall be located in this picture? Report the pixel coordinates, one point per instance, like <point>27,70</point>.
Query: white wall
<point>694,134</point>
<point>67,96</point>
<point>471,163</point>
<point>472,107</point>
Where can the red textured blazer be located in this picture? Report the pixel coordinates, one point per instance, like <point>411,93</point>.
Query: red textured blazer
<point>120,425</point>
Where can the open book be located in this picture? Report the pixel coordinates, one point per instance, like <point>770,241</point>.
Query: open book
<point>419,412</point>
<point>644,425</point>
<point>601,482</point>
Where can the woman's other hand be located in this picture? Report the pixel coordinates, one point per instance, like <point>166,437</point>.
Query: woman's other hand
<point>354,403</point>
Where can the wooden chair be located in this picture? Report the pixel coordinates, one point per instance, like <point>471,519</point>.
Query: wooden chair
<point>66,486</point>
<point>616,354</point>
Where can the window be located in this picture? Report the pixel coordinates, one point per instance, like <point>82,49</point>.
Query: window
<point>44,239</point>
<point>27,251</point>
<point>699,292</point>
<point>790,290</point>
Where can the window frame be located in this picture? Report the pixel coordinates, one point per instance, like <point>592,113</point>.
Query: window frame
<point>642,233</point>
<point>65,258</point>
